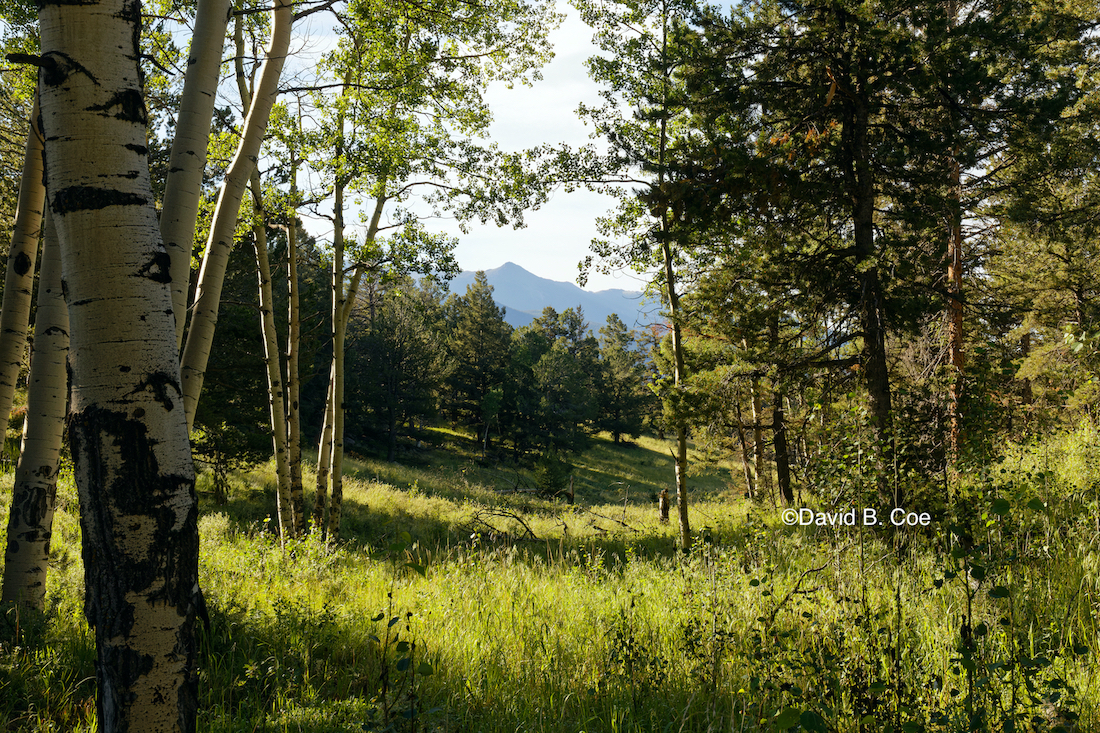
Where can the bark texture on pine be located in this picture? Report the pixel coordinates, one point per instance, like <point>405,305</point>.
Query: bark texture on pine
<point>19,279</point>
<point>955,317</point>
<point>204,318</point>
<point>127,427</point>
<point>782,453</point>
<point>679,374</point>
<point>860,182</point>
<point>187,161</point>
<point>34,494</point>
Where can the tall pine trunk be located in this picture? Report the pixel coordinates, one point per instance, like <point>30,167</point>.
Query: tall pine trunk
<point>955,316</point>
<point>34,494</point>
<point>860,181</point>
<point>127,426</point>
<point>759,449</point>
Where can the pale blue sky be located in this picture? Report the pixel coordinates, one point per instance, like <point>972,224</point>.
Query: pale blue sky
<point>557,236</point>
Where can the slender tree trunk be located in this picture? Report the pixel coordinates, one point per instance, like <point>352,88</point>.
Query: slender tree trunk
<point>746,457</point>
<point>343,300</point>
<point>187,162</point>
<point>287,525</point>
<point>19,279</point>
<point>30,523</point>
<point>779,426</point>
<point>294,340</point>
<point>276,406</point>
<point>673,297</point>
<point>955,316</point>
<point>336,471</point>
<point>782,454</point>
<point>391,445</point>
<point>679,375</point>
<point>871,308</point>
<point>127,426</point>
<point>759,450</point>
<point>1026,394</point>
<point>324,465</point>
<point>204,318</point>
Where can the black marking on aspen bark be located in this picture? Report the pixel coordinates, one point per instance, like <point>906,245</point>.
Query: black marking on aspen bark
<point>31,60</point>
<point>116,461</point>
<point>22,264</point>
<point>89,198</point>
<point>158,269</point>
<point>58,67</point>
<point>160,384</point>
<point>54,331</point>
<point>124,369</point>
<point>130,104</point>
<point>139,149</point>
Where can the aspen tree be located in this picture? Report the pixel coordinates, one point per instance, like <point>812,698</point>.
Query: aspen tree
<point>289,525</point>
<point>204,318</point>
<point>187,161</point>
<point>127,428</point>
<point>19,278</point>
<point>30,522</point>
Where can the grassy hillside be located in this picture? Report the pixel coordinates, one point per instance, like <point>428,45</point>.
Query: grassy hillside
<point>459,601</point>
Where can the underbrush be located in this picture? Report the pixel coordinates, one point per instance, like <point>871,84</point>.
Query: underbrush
<point>453,607</point>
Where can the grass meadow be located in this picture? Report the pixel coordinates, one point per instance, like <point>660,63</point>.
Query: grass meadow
<point>457,600</point>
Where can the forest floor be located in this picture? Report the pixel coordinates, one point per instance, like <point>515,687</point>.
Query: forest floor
<point>459,599</point>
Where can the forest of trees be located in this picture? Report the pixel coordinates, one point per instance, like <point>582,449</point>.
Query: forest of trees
<point>871,227</point>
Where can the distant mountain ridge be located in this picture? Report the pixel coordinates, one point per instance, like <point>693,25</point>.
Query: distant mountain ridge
<point>525,295</point>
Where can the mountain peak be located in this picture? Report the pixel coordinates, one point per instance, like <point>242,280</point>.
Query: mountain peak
<point>525,295</point>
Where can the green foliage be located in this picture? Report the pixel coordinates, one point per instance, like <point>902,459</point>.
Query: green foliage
<point>623,397</point>
<point>427,619</point>
<point>477,344</point>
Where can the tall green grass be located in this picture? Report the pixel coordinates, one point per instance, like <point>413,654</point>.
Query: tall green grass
<point>454,606</point>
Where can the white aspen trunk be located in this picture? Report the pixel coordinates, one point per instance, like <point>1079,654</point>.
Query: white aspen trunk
<point>336,475</point>
<point>276,407</point>
<point>34,495</point>
<point>187,161</point>
<point>287,525</point>
<point>341,318</point>
<point>127,426</point>
<point>324,464</point>
<point>204,318</point>
<point>293,381</point>
<point>19,279</point>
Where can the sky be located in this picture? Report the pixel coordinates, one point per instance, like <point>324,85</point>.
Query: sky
<point>557,236</point>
